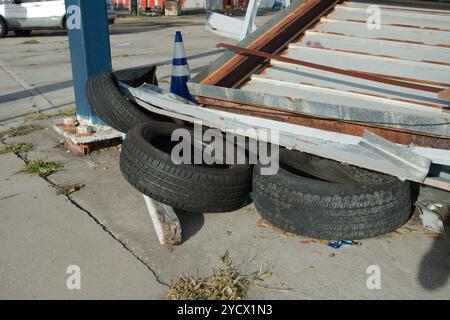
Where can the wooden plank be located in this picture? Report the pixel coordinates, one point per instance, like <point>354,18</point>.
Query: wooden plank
<point>165,222</point>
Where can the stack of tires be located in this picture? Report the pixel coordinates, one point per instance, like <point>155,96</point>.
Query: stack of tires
<point>146,161</point>
<point>309,196</point>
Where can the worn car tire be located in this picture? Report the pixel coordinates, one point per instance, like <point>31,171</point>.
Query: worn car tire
<point>3,28</point>
<point>111,106</point>
<point>345,203</point>
<point>147,165</point>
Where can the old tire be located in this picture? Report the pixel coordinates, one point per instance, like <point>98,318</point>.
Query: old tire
<point>3,28</point>
<point>147,165</point>
<point>350,204</point>
<point>111,106</point>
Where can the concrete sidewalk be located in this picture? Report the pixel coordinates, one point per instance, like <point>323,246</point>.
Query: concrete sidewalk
<point>42,234</point>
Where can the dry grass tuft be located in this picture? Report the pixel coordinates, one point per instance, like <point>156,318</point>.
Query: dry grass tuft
<point>43,168</point>
<point>72,111</point>
<point>22,130</point>
<point>226,283</point>
<point>39,116</point>
<point>17,148</point>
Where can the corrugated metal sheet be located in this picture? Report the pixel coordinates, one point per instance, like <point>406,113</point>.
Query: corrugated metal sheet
<point>411,42</point>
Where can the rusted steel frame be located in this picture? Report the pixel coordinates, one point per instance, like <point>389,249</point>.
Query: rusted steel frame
<point>433,83</point>
<point>341,126</point>
<point>351,73</point>
<point>240,68</point>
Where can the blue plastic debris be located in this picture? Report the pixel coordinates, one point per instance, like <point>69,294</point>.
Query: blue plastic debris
<point>279,5</point>
<point>338,244</point>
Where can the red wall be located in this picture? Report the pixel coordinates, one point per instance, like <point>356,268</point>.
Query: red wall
<point>121,4</point>
<point>151,3</point>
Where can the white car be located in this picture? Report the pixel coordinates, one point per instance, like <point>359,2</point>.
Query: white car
<point>22,16</point>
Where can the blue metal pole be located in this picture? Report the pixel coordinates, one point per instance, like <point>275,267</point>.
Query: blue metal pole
<point>87,27</point>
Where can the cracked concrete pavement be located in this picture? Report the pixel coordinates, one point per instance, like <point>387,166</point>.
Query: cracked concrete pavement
<point>42,234</point>
<point>105,228</point>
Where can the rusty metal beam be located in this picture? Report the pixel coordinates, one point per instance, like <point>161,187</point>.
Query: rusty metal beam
<point>333,125</point>
<point>239,69</point>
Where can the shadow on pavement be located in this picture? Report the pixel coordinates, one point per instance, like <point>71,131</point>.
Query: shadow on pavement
<point>40,33</point>
<point>434,269</point>
<point>147,26</point>
<point>66,84</point>
<point>191,223</point>
<point>43,89</point>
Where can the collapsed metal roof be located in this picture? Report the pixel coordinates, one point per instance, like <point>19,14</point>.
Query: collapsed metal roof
<point>329,85</point>
<point>385,77</point>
